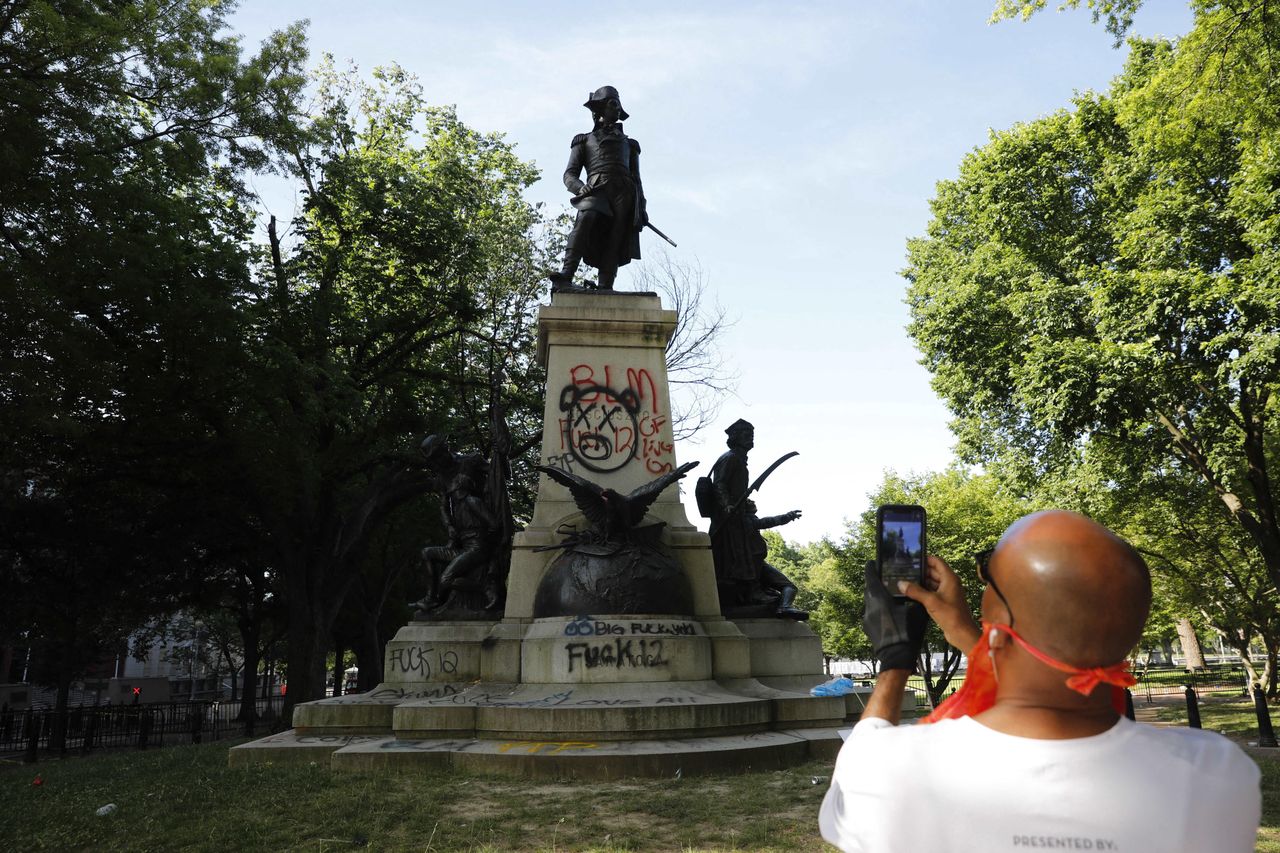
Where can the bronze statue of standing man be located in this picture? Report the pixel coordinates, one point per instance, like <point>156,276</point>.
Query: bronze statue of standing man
<point>610,202</point>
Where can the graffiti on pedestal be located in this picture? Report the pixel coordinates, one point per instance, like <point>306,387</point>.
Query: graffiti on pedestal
<point>603,426</point>
<point>585,626</point>
<point>421,661</point>
<point>618,654</point>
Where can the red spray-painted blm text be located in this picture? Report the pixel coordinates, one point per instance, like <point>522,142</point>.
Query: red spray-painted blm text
<point>603,426</point>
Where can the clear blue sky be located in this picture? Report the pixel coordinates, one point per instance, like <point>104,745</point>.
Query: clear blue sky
<point>791,149</point>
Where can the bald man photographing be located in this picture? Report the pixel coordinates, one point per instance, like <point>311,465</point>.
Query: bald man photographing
<point>1033,752</point>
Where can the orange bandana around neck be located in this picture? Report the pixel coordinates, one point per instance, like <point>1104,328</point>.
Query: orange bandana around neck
<point>978,693</point>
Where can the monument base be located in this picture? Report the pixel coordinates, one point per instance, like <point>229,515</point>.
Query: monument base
<point>553,759</point>
<point>668,685</point>
<point>668,712</point>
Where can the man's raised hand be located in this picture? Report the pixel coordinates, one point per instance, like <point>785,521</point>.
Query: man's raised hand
<point>943,596</point>
<point>894,627</point>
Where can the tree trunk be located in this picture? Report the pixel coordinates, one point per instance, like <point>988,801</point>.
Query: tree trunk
<point>249,635</point>
<point>339,667</point>
<point>1246,660</point>
<point>936,688</point>
<point>1190,644</point>
<point>58,734</point>
<point>217,674</point>
<point>1269,675</point>
<point>306,653</point>
<point>368,649</point>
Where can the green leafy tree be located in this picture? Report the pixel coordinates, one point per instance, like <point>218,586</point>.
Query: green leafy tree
<point>1230,46</point>
<point>1205,566</point>
<point>815,570</point>
<point>126,133</point>
<point>1099,285</point>
<point>1117,14</point>
<point>401,305</point>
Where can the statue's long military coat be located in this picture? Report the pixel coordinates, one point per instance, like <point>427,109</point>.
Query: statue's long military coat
<point>612,188</point>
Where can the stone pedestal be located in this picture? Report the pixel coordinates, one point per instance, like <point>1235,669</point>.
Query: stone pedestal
<point>606,417</point>
<point>599,695</point>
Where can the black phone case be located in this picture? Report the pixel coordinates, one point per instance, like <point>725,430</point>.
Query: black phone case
<point>924,541</point>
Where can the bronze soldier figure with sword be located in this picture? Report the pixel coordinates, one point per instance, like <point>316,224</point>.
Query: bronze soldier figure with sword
<point>747,584</point>
<point>610,202</point>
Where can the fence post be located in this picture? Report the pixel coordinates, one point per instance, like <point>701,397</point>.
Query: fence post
<point>1266,734</point>
<point>90,728</point>
<point>144,728</point>
<point>1193,708</point>
<point>33,737</point>
<point>1128,704</point>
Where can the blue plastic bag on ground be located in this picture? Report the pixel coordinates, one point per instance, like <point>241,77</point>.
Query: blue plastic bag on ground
<point>835,687</point>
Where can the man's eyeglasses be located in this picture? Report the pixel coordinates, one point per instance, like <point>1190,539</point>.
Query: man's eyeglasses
<point>983,561</point>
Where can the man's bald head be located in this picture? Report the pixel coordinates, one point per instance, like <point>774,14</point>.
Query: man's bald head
<point>1076,589</point>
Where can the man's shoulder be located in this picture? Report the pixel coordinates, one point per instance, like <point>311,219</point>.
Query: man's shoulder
<point>1205,752</point>
<point>898,749</point>
<point>874,728</point>
<point>578,140</point>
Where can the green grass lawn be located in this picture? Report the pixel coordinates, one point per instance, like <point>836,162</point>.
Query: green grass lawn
<point>1232,717</point>
<point>186,798</point>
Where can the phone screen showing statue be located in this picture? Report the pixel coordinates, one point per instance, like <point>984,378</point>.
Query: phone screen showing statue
<point>901,552</point>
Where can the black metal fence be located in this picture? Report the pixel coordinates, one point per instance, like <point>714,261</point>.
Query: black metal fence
<point>43,732</point>
<point>1153,682</point>
<point>1173,681</point>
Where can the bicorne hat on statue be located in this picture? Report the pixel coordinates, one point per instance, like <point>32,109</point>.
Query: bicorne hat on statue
<point>595,101</point>
<point>739,426</point>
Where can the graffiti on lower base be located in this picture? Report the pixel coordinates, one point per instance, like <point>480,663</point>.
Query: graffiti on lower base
<point>428,745</point>
<point>545,747</point>
<point>500,700</point>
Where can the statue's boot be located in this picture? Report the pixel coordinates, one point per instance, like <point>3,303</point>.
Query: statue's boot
<point>423,605</point>
<point>607,276</point>
<point>564,278</point>
<point>785,610</point>
<point>493,594</point>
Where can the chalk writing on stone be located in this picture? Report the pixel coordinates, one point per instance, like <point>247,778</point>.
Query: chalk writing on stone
<point>545,747</point>
<point>498,700</point>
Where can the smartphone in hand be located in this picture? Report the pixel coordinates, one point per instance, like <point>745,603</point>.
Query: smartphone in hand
<point>901,534</point>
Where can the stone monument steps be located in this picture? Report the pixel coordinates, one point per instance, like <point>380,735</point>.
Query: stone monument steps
<point>592,759</point>
<point>367,713</point>
<point>611,712</point>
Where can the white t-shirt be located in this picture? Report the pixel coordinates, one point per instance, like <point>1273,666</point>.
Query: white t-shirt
<point>957,785</point>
